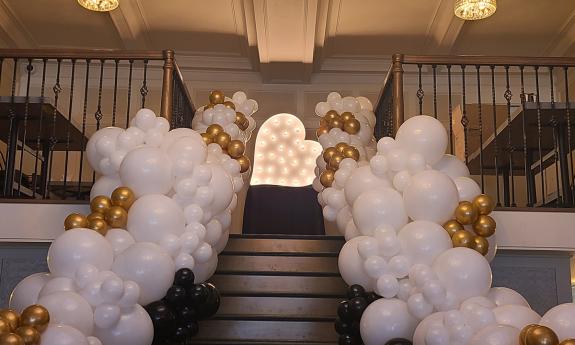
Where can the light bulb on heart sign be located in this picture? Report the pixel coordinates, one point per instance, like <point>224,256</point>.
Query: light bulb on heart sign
<point>282,154</point>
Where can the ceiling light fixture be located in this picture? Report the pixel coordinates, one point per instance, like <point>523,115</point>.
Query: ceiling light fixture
<point>99,5</point>
<point>475,9</point>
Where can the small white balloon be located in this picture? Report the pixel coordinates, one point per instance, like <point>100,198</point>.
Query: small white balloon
<point>386,319</point>
<point>351,264</point>
<point>466,188</point>
<point>119,239</point>
<point>61,334</point>
<point>133,328</point>
<point>452,166</point>
<point>424,135</point>
<point>496,335</point>
<point>387,286</point>
<point>419,307</point>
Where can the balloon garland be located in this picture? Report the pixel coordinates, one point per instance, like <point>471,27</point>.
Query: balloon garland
<point>25,328</point>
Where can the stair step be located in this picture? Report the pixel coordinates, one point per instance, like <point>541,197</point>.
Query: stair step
<point>326,246</point>
<point>274,265</point>
<point>278,286</point>
<point>278,308</point>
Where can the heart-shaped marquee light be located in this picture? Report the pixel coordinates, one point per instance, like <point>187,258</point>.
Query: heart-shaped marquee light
<point>282,155</point>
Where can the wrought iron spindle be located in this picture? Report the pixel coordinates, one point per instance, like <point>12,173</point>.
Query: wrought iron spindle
<point>434,68</point>
<point>555,128</point>
<point>53,139</point>
<point>495,136</point>
<point>508,96</point>
<point>29,69</point>
<point>464,119</point>
<point>539,132</point>
<point>526,152</point>
<point>569,143</point>
<point>420,93</point>
<point>115,100</point>
<point>39,135</point>
<point>450,109</point>
<point>12,139</point>
<point>144,88</point>
<point>480,122</point>
<point>98,114</point>
<point>84,116</point>
<point>130,73</point>
<point>70,106</point>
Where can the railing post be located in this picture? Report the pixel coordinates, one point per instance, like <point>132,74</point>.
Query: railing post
<point>397,69</point>
<point>168,86</point>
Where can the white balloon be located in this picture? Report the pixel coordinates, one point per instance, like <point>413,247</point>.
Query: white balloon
<point>351,264</point>
<point>133,328</point>
<point>401,180</point>
<point>105,185</point>
<point>93,341</point>
<point>221,244</point>
<point>145,119</point>
<point>106,315</point>
<point>463,272</point>
<point>423,241</point>
<point>149,266</point>
<point>222,187</point>
<point>361,180</point>
<point>69,308</point>
<point>147,170</point>
<point>57,284</point>
<point>152,216</point>
<point>119,239</point>
<point>419,306</point>
<point>496,335</point>
<point>466,188</point>
<point>379,207</point>
<point>386,319</point>
<point>76,247</point>
<point>375,266</point>
<point>517,316</point>
<point>108,134</point>
<point>452,166</point>
<point>27,290</point>
<point>561,319</point>
<point>203,271</point>
<point>351,231</point>
<point>431,196</point>
<point>425,135</point>
<point>421,330</point>
<point>385,144</point>
<point>343,217</point>
<point>503,296</point>
<point>60,334</point>
<point>185,153</point>
<point>387,286</point>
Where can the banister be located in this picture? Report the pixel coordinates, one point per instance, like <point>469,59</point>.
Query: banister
<point>108,54</point>
<point>482,60</point>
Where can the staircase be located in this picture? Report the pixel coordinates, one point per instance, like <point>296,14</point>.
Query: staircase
<point>276,290</point>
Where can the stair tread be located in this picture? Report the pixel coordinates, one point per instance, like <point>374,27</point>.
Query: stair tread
<point>257,285</point>
<point>265,264</point>
<point>278,307</point>
<point>294,247</point>
<point>288,236</point>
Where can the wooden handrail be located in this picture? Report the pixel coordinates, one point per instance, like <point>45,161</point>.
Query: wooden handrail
<point>486,60</point>
<point>108,54</point>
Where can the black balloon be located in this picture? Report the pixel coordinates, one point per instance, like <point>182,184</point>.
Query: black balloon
<point>344,311</point>
<point>399,341</point>
<point>176,296</point>
<point>342,327</point>
<point>211,304</point>
<point>347,339</point>
<point>162,317</point>
<point>184,277</point>
<point>371,297</point>
<point>355,291</point>
<point>198,294</point>
<point>357,306</point>
<point>193,328</point>
<point>188,313</point>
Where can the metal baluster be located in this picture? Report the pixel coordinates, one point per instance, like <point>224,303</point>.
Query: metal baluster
<point>12,140</point>
<point>114,103</point>
<point>495,137</point>
<point>569,144</point>
<point>29,69</point>
<point>508,96</point>
<point>129,93</point>
<point>464,119</point>
<point>477,67</point>
<point>434,67</point>
<point>144,88</point>
<point>98,114</point>
<point>420,92</point>
<point>70,106</point>
<point>450,109</point>
<point>555,128</point>
<point>84,115</point>
<point>39,136</point>
<point>53,140</point>
<point>526,153</point>
<point>539,130</point>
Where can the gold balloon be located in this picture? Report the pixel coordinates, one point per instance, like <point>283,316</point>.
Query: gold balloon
<point>321,131</point>
<point>208,106</point>
<point>484,226</point>
<point>35,316</point>
<point>244,164</point>
<point>452,226</point>
<point>245,124</point>
<point>240,117</point>
<point>117,217</point>
<point>208,139</point>
<point>100,204</point>
<point>223,139</point>
<point>4,326</point>
<point>75,220</point>
<point>484,204</point>
<point>330,115</point>
<point>230,104</point>
<point>351,152</point>
<point>236,148</point>
<point>524,331</point>
<point>334,161</point>
<point>466,213</point>
<point>214,130</point>
<point>30,335</point>
<point>336,123</point>
<point>346,116</point>
<point>480,245</point>
<point>541,335</point>
<point>11,339</point>
<point>323,122</point>
<point>328,153</point>
<point>351,126</point>
<point>326,178</point>
<point>99,225</point>
<point>94,215</point>
<point>123,197</point>
<point>10,316</point>
<point>340,147</point>
<point>462,238</point>
<point>217,97</point>
<point>569,341</point>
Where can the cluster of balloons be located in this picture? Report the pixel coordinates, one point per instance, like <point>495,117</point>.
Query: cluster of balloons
<point>175,317</point>
<point>162,202</point>
<point>333,156</point>
<point>332,119</point>
<point>392,207</point>
<point>25,328</point>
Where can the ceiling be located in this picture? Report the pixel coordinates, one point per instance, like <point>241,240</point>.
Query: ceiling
<point>288,41</point>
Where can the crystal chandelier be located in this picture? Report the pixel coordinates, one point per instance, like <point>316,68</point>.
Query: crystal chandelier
<point>99,5</point>
<point>475,9</point>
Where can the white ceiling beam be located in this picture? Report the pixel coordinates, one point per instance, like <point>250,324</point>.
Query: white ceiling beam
<point>130,24</point>
<point>564,40</point>
<point>12,31</point>
<point>443,30</point>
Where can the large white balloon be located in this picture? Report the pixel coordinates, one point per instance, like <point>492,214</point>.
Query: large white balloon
<point>105,185</point>
<point>147,170</point>
<point>222,187</point>
<point>187,152</point>
<point>452,166</point>
<point>120,239</point>
<point>362,180</point>
<point>76,247</point>
<point>503,296</point>
<point>351,264</point>
<point>424,325</point>
<point>153,216</point>
<point>466,188</point>
<point>561,319</point>
<point>423,241</point>
<point>134,328</point>
<point>375,208</point>
<point>431,196</point>
<point>463,272</point>
<point>149,266</point>
<point>69,308</point>
<point>424,135</point>
<point>386,319</point>
<point>60,334</point>
<point>517,316</point>
<point>496,335</point>
<point>27,290</point>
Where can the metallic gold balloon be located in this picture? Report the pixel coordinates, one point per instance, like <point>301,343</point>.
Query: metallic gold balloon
<point>462,238</point>
<point>214,130</point>
<point>351,152</point>
<point>99,225</point>
<point>336,123</point>
<point>346,116</point>
<point>4,326</point>
<point>230,104</point>
<point>328,153</point>
<point>244,164</point>
<point>208,106</point>
<point>340,147</point>
<point>466,213</point>
<point>117,217</point>
<point>351,126</point>
<point>100,204</point>
<point>452,226</point>
<point>223,139</point>
<point>484,226</point>
<point>484,204</point>
<point>330,115</point>
<point>326,178</point>
<point>541,335</point>
<point>35,316</point>
<point>10,316</point>
<point>208,139</point>
<point>75,220</point>
<point>524,333</point>
<point>217,97</point>
<point>30,335</point>
<point>95,215</point>
<point>236,148</point>
<point>334,161</point>
<point>11,339</point>
<point>123,197</point>
<point>480,245</point>
<point>323,122</point>
<point>321,131</point>
<point>240,117</point>
<point>569,341</point>
<point>245,124</point>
